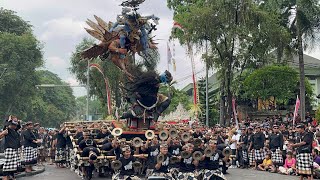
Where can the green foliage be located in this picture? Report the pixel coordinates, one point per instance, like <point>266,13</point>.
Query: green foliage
<point>52,106</point>
<point>213,103</point>
<point>318,114</point>
<point>276,81</point>
<point>95,106</point>
<point>239,34</point>
<point>21,55</point>
<point>178,97</point>
<point>281,82</point>
<point>11,23</point>
<point>97,83</point>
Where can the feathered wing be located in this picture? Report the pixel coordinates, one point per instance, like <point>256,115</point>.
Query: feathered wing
<point>99,31</point>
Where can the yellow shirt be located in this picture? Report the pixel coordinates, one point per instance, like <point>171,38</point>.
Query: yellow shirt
<point>267,162</point>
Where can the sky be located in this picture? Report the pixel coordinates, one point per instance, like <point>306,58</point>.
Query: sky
<point>59,25</point>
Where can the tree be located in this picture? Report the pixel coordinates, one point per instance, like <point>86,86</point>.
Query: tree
<point>280,82</point>
<point>301,18</point>
<point>177,97</point>
<point>213,103</point>
<point>52,106</point>
<point>240,33</point>
<point>11,23</point>
<point>95,106</point>
<point>20,53</point>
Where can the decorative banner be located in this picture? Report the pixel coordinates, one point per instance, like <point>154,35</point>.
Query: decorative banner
<point>169,55</point>
<point>176,25</point>
<point>296,109</point>
<point>106,81</point>
<point>174,57</point>
<point>235,111</point>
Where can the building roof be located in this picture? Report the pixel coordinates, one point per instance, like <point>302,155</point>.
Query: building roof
<point>312,68</point>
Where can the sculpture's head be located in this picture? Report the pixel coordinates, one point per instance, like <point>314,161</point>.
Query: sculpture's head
<point>166,77</point>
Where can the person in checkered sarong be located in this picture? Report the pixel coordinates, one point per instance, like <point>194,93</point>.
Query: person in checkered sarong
<point>251,157</point>
<point>276,145</point>
<point>243,149</point>
<point>304,152</point>
<point>30,151</point>
<point>211,170</point>
<point>161,167</point>
<point>11,149</point>
<point>257,145</point>
<point>187,165</point>
<point>60,143</point>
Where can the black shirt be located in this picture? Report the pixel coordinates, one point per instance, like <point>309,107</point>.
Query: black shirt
<point>85,143</point>
<point>127,168</point>
<point>153,151</point>
<point>276,141</point>
<point>220,140</point>
<point>86,151</point>
<point>101,135</point>
<point>28,138</point>
<point>175,149</point>
<point>186,165</point>
<point>164,164</point>
<point>197,135</point>
<point>308,138</point>
<point>212,162</point>
<point>78,135</point>
<point>12,139</point>
<point>61,140</point>
<point>258,140</point>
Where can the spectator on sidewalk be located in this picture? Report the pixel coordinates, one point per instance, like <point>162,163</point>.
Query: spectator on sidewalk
<point>30,147</point>
<point>12,147</point>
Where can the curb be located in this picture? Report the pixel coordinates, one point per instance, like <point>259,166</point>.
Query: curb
<point>29,174</point>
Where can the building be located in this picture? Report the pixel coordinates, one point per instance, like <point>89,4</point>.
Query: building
<point>312,72</point>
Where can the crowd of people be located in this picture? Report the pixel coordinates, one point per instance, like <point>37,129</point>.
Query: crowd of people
<point>274,145</point>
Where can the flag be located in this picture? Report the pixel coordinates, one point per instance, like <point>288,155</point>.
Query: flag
<point>169,55</point>
<point>176,25</point>
<point>235,111</point>
<point>296,109</point>
<point>174,64</point>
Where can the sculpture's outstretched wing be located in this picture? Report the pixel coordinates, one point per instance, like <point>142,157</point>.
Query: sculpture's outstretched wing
<point>99,31</point>
<point>132,3</point>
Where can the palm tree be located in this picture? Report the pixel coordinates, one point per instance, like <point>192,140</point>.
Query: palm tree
<point>303,18</point>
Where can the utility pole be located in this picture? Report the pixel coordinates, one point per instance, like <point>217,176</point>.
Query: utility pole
<point>88,90</point>
<point>207,88</point>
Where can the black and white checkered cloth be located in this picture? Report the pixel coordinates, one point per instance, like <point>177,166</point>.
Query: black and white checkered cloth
<point>117,176</point>
<point>60,155</point>
<point>30,155</point>
<point>276,157</point>
<point>12,160</point>
<point>259,154</point>
<point>217,174</point>
<point>168,176</point>
<point>186,176</point>
<point>252,160</point>
<point>245,155</point>
<point>304,163</point>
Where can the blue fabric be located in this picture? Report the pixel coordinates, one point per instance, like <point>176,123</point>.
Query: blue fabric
<point>163,78</point>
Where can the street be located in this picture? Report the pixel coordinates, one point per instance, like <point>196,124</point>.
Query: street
<point>53,173</point>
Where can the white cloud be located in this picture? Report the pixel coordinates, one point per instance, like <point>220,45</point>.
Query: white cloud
<point>62,27</point>
<point>72,81</point>
<point>56,62</point>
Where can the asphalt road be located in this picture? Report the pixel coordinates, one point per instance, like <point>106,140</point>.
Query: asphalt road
<point>53,173</point>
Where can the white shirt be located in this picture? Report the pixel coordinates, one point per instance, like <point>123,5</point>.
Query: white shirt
<point>234,144</point>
